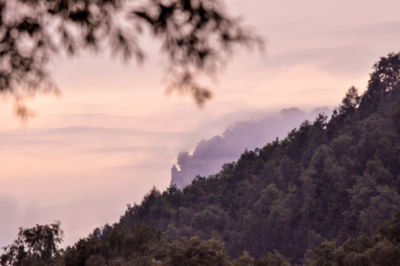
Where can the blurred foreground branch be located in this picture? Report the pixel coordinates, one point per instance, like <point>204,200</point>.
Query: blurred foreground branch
<point>196,36</point>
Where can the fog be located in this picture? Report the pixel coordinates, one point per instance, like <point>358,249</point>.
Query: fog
<point>210,154</point>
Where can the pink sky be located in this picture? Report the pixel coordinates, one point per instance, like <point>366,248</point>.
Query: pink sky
<point>113,133</point>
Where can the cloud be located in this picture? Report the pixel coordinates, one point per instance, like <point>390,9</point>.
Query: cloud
<point>337,59</point>
<point>128,149</point>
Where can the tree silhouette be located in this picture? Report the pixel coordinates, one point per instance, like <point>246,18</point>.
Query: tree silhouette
<point>34,246</point>
<point>196,35</point>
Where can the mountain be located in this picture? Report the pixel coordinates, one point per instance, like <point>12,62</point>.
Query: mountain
<point>324,195</point>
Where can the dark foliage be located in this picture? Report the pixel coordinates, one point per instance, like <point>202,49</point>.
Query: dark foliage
<point>381,249</point>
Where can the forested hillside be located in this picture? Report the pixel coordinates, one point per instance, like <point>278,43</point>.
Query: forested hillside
<point>326,180</point>
<point>332,180</point>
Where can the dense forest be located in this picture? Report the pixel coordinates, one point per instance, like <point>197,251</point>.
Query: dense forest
<point>327,194</point>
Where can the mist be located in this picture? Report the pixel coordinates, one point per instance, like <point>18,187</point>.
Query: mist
<point>211,154</point>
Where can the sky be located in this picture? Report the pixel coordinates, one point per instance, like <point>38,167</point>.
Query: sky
<point>113,133</point>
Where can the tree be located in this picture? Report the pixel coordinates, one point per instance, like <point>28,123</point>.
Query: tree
<point>195,35</point>
<point>384,80</point>
<point>34,246</point>
<point>350,102</point>
<point>196,252</point>
<point>387,71</point>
